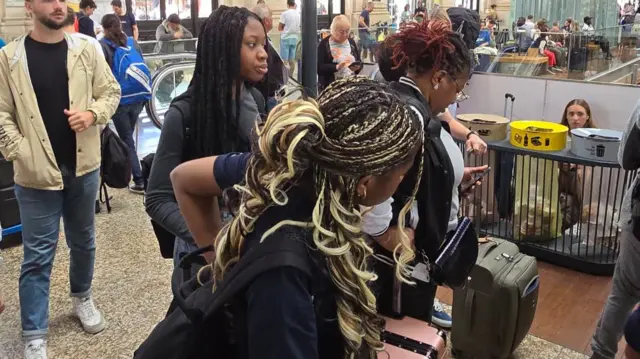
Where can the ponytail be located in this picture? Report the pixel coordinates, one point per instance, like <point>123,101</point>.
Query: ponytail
<point>113,30</point>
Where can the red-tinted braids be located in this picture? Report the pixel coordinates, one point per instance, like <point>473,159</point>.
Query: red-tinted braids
<point>430,45</point>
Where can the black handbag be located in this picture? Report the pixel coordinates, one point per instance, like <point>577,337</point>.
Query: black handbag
<point>456,256</point>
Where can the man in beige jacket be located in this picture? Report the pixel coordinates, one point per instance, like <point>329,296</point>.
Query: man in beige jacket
<point>54,91</point>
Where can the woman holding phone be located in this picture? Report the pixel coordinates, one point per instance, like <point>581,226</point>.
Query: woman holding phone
<point>338,54</point>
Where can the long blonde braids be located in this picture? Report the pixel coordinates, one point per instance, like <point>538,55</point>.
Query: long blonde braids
<point>359,128</point>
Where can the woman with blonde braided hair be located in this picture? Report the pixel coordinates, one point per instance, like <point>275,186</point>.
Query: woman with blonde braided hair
<point>314,168</point>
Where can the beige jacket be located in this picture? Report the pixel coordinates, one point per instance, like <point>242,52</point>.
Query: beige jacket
<point>23,136</point>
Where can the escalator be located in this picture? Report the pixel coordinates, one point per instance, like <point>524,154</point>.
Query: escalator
<point>168,82</point>
<point>173,79</point>
<point>626,73</point>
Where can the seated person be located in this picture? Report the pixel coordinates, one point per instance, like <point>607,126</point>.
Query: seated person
<point>541,44</point>
<point>577,114</point>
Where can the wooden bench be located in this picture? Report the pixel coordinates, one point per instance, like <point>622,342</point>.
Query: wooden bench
<point>530,64</point>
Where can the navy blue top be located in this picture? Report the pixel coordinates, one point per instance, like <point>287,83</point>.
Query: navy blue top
<point>127,21</point>
<point>365,15</point>
<point>281,319</point>
<point>229,169</point>
<point>632,330</point>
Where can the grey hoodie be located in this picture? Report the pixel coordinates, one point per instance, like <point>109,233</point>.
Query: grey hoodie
<point>629,159</point>
<point>165,34</point>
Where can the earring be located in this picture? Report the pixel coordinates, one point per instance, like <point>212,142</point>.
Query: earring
<point>436,87</point>
<point>363,195</point>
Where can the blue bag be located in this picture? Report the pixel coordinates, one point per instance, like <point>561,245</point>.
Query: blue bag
<point>132,73</point>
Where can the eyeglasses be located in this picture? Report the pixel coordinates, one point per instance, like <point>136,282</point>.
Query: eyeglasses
<point>460,95</point>
<point>343,32</point>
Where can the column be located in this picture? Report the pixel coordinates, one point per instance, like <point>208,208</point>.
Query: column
<point>14,19</point>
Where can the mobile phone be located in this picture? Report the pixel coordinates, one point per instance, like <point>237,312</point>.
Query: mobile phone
<point>356,64</point>
<point>476,177</point>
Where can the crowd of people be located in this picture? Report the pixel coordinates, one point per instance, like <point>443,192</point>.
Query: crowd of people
<point>370,166</point>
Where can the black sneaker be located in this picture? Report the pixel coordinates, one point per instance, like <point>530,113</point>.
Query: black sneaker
<point>136,188</point>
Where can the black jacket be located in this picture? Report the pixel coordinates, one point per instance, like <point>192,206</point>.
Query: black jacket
<point>434,206</point>
<point>326,66</point>
<point>436,185</point>
<point>276,75</point>
<point>85,24</point>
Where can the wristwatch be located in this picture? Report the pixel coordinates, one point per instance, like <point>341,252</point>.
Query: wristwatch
<point>472,133</point>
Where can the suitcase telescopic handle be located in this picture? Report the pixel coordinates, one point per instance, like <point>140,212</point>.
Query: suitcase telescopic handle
<point>509,96</point>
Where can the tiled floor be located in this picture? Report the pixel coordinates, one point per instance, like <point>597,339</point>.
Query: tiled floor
<point>131,287</point>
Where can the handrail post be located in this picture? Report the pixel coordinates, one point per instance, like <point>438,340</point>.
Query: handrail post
<point>309,47</point>
<point>634,74</point>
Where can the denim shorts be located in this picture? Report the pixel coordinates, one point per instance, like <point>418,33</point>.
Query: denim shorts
<point>288,49</point>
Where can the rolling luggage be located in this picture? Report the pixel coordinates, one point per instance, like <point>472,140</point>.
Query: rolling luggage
<point>493,313</point>
<point>410,338</point>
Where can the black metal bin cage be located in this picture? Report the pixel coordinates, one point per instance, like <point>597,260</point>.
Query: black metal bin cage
<point>557,207</point>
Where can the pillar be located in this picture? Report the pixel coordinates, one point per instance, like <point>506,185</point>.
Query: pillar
<point>14,19</point>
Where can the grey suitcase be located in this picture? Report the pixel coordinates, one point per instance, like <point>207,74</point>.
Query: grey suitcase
<point>492,314</point>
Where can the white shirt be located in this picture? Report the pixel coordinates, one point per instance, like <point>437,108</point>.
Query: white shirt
<point>291,21</point>
<point>588,29</point>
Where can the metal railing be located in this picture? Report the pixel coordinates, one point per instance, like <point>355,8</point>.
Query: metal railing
<point>556,206</point>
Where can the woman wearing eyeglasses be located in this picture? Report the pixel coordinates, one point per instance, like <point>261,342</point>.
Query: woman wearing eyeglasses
<point>338,55</point>
<point>438,64</point>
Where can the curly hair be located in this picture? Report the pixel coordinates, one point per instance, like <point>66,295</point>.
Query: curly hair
<point>357,128</point>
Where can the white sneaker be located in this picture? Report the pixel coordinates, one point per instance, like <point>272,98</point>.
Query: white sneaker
<point>35,349</point>
<point>90,317</point>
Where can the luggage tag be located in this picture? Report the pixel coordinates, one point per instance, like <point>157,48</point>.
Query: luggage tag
<point>421,272</point>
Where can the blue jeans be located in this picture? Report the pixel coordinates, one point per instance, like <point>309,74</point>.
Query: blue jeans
<point>125,120</point>
<point>288,48</point>
<point>40,213</point>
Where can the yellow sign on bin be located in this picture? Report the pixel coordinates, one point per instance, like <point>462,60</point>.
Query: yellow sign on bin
<point>538,135</point>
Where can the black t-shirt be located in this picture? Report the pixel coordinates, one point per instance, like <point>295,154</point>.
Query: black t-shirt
<point>365,15</point>
<point>48,72</point>
<point>299,311</point>
<point>127,21</point>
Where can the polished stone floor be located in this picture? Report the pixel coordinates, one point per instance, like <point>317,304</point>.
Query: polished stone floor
<point>131,288</point>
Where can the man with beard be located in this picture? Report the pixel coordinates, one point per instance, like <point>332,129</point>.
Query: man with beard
<point>54,91</point>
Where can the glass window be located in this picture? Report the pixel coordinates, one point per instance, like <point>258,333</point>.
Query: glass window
<point>180,7</point>
<point>146,9</point>
<point>204,8</point>
<point>322,7</point>
<point>336,7</point>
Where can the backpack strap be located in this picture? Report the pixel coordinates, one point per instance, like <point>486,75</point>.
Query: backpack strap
<point>285,248</point>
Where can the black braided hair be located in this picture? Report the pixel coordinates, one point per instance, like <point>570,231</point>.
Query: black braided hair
<point>214,128</point>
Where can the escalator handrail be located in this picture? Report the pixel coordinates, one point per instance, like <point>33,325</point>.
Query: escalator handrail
<point>187,56</point>
<point>163,72</point>
<point>605,74</point>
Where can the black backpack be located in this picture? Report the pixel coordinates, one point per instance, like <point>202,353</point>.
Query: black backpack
<point>199,326</point>
<point>115,169</point>
<point>467,23</point>
<point>166,239</point>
